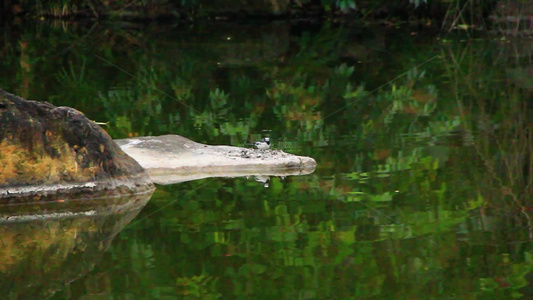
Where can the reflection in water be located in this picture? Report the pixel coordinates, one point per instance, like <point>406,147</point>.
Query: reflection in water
<point>263,179</point>
<point>45,247</point>
<point>234,239</point>
<point>423,186</point>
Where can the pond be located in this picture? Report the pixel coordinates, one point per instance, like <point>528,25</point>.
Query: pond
<point>423,144</point>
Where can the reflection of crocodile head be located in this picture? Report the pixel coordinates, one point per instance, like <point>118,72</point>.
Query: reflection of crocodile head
<point>47,246</point>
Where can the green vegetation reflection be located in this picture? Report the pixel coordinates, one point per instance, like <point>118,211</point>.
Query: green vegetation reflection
<point>423,145</point>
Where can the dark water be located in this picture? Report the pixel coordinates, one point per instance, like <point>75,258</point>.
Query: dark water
<point>423,185</point>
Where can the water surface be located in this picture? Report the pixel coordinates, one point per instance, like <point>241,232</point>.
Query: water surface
<point>423,144</point>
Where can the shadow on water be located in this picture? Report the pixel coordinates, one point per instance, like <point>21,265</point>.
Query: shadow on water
<point>423,143</point>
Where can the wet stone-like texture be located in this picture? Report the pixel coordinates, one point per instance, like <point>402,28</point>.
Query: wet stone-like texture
<point>46,149</point>
<point>173,158</point>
